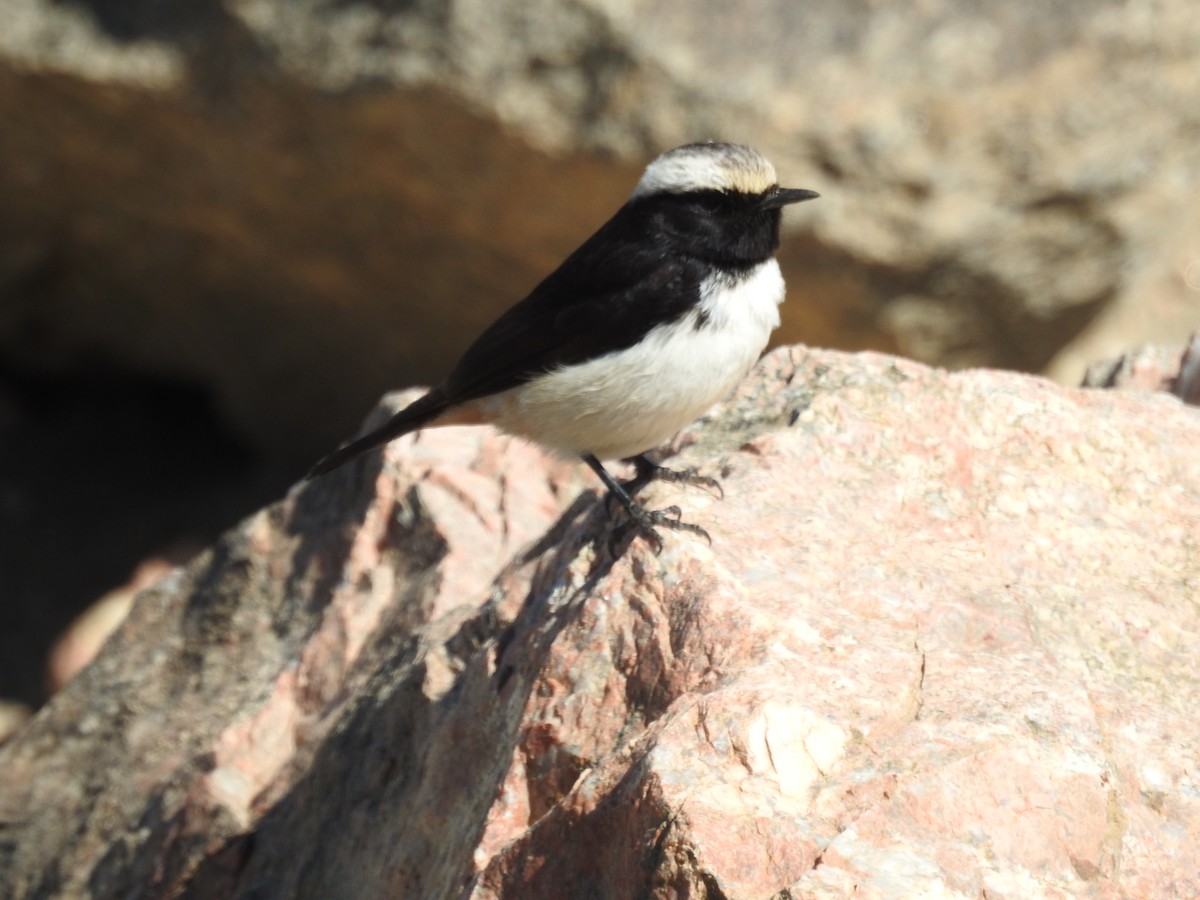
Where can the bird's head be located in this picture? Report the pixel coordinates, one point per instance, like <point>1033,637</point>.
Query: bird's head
<point>719,201</point>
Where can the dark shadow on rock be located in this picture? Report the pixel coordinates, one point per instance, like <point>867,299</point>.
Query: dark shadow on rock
<point>381,813</point>
<point>326,514</point>
<point>177,21</point>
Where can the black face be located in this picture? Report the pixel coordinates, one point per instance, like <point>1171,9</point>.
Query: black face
<point>728,228</point>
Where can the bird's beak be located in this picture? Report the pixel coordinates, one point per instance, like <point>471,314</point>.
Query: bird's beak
<point>781,197</point>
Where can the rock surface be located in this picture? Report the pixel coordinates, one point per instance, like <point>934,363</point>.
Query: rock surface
<point>941,645</point>
<point>13,717</point>
<point>82,640</point>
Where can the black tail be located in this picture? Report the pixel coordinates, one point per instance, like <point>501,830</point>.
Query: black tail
<point>416,415</point>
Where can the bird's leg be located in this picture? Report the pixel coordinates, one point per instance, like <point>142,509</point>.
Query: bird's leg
<point>644,520</point>
<point>646,471</point>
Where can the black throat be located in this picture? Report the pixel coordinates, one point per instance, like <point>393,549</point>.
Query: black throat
<point>726,229</point>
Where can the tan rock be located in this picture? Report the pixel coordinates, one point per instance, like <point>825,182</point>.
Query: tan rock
<point>942,645</point>
<point>12,717</point>
<point>87,634</point>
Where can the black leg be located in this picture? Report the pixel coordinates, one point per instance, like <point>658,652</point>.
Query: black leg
<point>643,519</point>
<point>616,488</point>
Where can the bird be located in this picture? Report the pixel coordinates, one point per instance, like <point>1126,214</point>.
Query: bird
<point>650,322</point>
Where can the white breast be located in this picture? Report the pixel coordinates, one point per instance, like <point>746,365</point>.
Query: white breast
<point>627,402</point>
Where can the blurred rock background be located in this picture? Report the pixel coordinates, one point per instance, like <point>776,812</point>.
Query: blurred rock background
<point>227,227</point>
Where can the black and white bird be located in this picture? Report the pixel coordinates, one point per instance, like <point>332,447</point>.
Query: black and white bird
<point>655,318</point>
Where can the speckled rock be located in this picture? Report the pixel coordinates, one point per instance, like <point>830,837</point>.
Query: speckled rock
<point>941,645</point>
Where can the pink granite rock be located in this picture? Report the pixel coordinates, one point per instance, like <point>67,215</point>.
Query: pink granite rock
<point>943,644</point>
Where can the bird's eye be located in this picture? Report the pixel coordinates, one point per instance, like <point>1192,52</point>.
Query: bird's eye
<point>711,201</point>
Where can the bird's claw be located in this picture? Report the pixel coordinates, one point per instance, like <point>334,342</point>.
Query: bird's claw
<point>640,520</point>
<point>646,522</point>
<point>647,471</point>
<point>689,476</point>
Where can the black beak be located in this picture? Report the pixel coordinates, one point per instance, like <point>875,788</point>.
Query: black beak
<point>778,198</point>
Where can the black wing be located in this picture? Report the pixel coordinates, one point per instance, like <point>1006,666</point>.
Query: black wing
<point>623,281</point>
<point>606,296</point>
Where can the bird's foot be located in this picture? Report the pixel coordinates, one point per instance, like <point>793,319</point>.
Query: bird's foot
<point>646,522</point>
<point>648,471</point>
<point>639,520</point>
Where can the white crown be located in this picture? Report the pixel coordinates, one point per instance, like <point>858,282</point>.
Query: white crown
<point>707,167</point>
